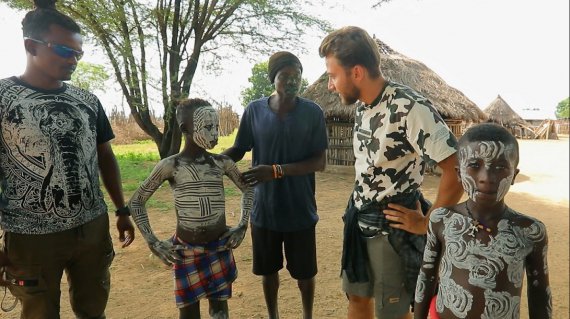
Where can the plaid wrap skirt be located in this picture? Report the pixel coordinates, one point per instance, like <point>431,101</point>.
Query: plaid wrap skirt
<point>206,271</point>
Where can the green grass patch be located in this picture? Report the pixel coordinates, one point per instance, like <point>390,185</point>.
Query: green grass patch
<point>140,147</point>
<point>160,205</point>
<point>230,191</point>
<point>134,170</point>
<point>149,147</point>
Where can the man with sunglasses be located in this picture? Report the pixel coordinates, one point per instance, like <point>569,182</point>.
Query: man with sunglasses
<point>54,143</point>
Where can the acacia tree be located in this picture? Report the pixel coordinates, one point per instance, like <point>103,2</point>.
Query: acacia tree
<point>145,38</point>
<point>260,85</point>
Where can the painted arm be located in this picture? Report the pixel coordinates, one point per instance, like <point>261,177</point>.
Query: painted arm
<point>427,279</point>
<point>538,287</point>
<point>264,173</point>
<point>448,194</point>
<point>111,177</point>
<point>165,250</point>
<point>237,233</point>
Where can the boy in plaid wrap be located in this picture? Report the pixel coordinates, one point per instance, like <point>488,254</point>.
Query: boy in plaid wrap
<point>206,271</point>
<point>200,251</point>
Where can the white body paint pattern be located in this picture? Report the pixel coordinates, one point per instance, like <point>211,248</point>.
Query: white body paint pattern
<point>470,268</point>
<point>488,151</point>
<point>198,192</point>
<point>501,305</point>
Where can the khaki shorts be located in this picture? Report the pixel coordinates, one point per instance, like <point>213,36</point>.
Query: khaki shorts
<point>84,253</point>
<point>386,283</point>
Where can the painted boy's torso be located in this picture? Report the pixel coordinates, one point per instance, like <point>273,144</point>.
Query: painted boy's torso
<point>481,275</point>
<point>198,190</point>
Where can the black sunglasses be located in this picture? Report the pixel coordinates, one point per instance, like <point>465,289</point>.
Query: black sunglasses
<point>60,50</point>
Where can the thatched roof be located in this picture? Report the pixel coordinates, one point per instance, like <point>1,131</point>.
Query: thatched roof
<point>500,112</point>
<point>450,102</point>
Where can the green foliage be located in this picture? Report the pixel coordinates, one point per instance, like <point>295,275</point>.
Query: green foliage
<point>260,85</point>
<point>563,109</point>
<point>90,76</point>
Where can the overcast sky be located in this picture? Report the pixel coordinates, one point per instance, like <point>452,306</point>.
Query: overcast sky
<point>516,48</point>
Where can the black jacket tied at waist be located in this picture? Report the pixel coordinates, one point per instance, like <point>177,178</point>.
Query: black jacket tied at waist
<point>408,246</point>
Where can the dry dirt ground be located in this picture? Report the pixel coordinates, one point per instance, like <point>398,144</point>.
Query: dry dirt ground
<point>142,286</point>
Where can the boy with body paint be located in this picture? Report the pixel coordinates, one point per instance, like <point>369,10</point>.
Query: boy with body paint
<point>477,251</point>
<point>201,249</point>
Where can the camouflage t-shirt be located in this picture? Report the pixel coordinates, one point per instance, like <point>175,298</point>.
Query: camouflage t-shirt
<point>49,173</point>
<point>394,140</point>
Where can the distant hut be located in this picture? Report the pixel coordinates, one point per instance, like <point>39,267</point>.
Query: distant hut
<point>455,108</point>
<point>501,113</point>
<point>535,116</point>
<point>545,122</point>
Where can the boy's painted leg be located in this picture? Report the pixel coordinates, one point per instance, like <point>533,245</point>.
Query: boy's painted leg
<point>219,309</point>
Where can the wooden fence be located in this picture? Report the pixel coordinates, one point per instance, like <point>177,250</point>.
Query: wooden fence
<point>229,120</point>
<point>340,144</point>
<point>563,126</point>
<point>457,127</point>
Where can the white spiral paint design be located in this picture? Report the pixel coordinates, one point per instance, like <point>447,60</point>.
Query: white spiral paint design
<point>501,305</point>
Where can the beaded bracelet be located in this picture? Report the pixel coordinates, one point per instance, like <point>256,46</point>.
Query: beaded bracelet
<point>277,171</point>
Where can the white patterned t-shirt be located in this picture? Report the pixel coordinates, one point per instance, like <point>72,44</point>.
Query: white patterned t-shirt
<point>49,172</point>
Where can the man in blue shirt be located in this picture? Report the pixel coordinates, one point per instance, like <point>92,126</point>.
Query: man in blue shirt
<point>288,137</point>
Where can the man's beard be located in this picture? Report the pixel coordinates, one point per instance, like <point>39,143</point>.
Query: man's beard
<point>350,97</point>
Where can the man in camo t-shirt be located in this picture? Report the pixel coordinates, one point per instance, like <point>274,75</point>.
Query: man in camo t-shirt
<point>397,133</point>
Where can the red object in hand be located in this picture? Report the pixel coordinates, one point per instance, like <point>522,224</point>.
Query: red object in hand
<point>432,312</point>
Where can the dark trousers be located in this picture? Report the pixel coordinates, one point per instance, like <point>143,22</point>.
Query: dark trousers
<point>84,253</point>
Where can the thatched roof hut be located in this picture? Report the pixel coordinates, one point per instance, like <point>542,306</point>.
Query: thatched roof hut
<point>450,102</point>
<point>501,113</point>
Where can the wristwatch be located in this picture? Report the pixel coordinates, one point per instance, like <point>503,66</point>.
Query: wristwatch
<point>123,211</point>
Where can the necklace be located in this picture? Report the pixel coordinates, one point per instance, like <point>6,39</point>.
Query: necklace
<point>476,225</point>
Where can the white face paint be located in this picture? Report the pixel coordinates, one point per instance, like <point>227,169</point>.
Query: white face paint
<point>489,153</point>
<point>206,123</point>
